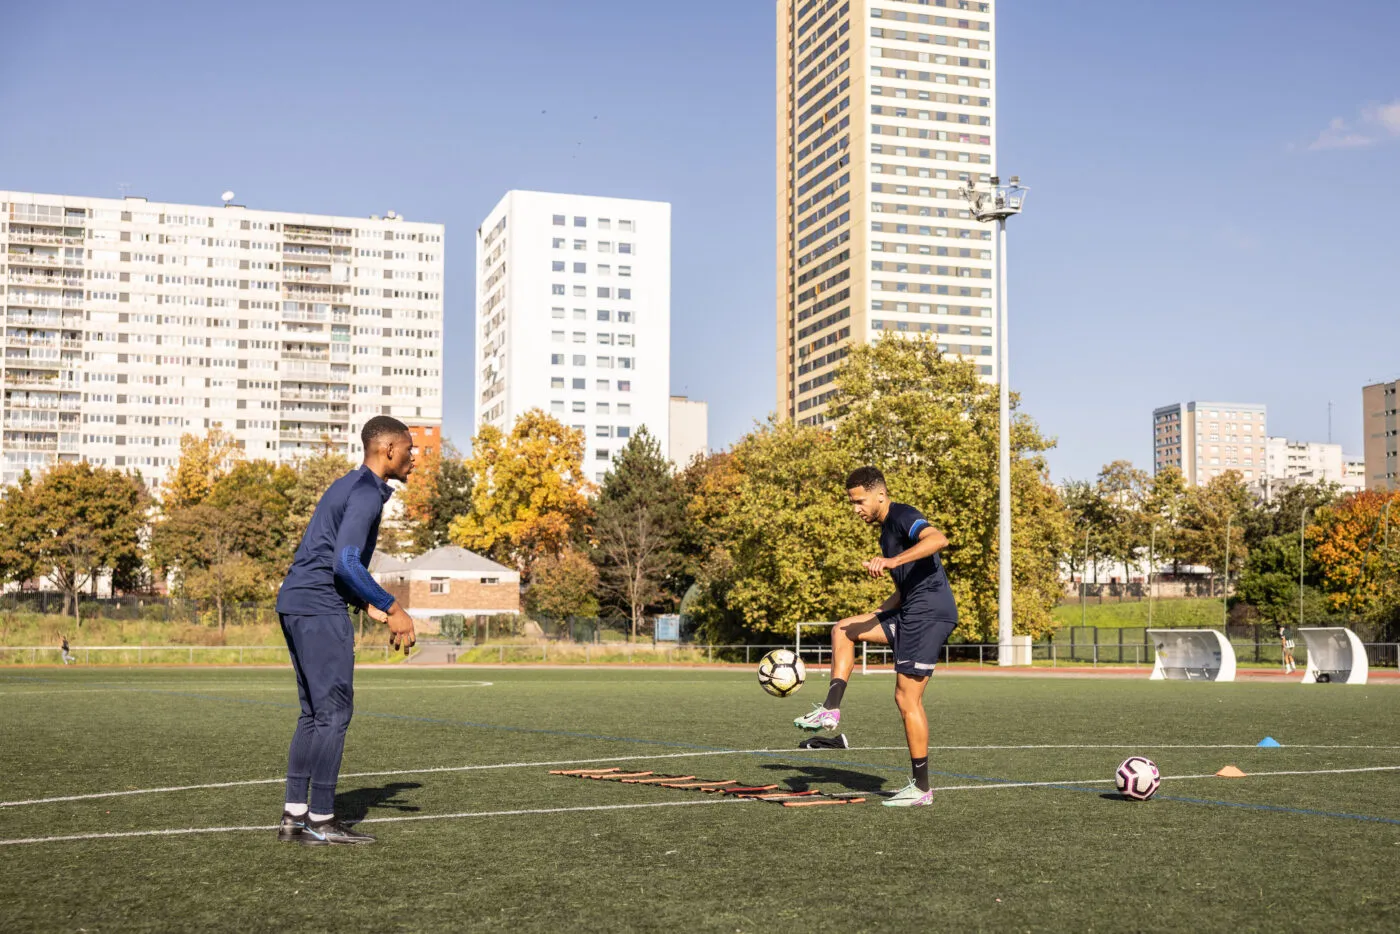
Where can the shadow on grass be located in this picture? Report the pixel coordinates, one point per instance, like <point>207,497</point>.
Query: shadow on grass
<point>355,805</point>
<point>1119,796</point>
<point>810,775</point>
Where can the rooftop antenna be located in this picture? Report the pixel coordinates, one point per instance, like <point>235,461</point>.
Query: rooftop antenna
<point>226,197</point>
<point>1329,422</point>
<point>123,187</point>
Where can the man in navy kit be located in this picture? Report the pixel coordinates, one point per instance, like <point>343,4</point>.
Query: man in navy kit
<point>329,571</point>
<point>916,620</point>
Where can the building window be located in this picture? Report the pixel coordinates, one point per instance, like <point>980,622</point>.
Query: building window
<point>604,314</point>
<point>580,244</point>
<point>580,406</point>
<point>600,454</point>
<point>489,581</point>
<point>624,294</point>
<point>602,431</point>
<point>580,360</point>
<point>558,243</point>
<point>439,585</point>
<point>556,382</point>
<point>556,289</point>
<point>606,292</point>
<point>623,385</point>
<point>580,222</point>
<point>623,431</point>
<point>580,267</point>
<point>624,248</point>
<point>580,383</point>
<point>604,224</point>
<point>626,226</point>
<point>557,266</point>
<point>556,359</point>
<point>557,406</point>
<point>559,220</point>
<point>580,291</point>
<point>602,385</point>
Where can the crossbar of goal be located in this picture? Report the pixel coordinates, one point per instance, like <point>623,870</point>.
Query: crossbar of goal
<point>864,648</point>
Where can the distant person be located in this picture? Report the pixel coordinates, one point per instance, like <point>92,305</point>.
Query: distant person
<point>329,571</point>
<point>1286,641</point>
<point>66,657</point>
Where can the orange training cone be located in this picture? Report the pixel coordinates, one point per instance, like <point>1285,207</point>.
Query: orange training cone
<point>1230,772</point>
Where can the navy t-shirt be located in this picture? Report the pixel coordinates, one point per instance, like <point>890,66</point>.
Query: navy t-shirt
<point>330,568</point>
<point>917,580</point>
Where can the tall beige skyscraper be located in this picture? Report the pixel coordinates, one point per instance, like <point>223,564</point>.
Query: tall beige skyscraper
<point>885,110</point>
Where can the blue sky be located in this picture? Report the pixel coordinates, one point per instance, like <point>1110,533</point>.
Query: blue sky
<point>1214,184</point>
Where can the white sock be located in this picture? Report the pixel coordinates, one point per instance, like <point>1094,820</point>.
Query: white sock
<point>318,818</point>
<point>296,810</point>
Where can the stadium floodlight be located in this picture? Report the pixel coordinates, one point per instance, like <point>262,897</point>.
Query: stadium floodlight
<point>997,204</point>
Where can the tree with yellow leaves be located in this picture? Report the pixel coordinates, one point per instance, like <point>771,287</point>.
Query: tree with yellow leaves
<point>528,491</point>
<point>202,462</point>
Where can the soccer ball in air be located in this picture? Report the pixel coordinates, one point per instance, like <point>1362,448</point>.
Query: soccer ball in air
<point>1138,778</point>
<point>781,672</point>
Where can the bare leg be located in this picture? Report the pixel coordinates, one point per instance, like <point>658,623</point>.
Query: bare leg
<point>909,697</point>
<point>845,635</point>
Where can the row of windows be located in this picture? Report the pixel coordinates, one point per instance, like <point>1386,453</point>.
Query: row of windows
<point>581,291</point>
<point>930,77</point>
<point>880,32</point>
<point>938,116</point>
<point>941,136</point>
<point>604,246</point>
<point>601,223</point>
<point>603,337</point>
<point>927,231</point>
<point>605,363</point>
<point>928,327</point>
<point>966,311</point>
<point>937,97</point>
<point>603,314</point>
<point>925,19</point>
<point>602,269</point>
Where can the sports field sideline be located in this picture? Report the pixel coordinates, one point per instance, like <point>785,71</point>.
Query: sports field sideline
<point>145,799</point>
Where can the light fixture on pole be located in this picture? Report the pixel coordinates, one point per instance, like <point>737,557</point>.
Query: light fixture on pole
<point>997,204</point>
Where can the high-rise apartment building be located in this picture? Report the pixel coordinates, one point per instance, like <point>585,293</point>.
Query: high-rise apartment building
<point>129,323</point>
<point>885,111</point>
<point>1380,428</point>
<point>573,298</point>
<point>1205,439</point>
<point>690,430</point>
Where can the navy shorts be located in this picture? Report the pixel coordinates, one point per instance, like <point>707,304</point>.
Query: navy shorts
<point>917,637</point>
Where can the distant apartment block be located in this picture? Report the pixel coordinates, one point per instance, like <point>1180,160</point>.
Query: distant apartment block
<point>573,316</point>
<point>689,430</point>
<point>1380,427</point>
<point>128,323</point>
<point>886,109</point>
<point>1288,463</point>
<point>1205,439</point>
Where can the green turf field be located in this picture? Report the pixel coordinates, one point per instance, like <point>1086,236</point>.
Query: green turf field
<point>474,835</point>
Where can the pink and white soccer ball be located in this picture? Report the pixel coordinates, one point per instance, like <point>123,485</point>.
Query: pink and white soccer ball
<point>1138,778</point>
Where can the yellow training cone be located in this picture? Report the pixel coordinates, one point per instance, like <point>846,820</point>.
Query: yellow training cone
<point>1230,772</point>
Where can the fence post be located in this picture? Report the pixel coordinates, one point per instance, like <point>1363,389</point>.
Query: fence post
<point>544,651</point>
<point>138,655</point>
<point>587,653</point>
<point>710,650</point>
<point>240,655</point>
<point>191,655</point>
<point>746,655</point>
<point>503,653</point>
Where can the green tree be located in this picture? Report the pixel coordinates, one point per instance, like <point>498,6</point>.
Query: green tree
<point>1163,506</point>
<point>1122,491</point>
<point>314,475</point>
<point>1220,506</point>
<point>527,491</point>
<point>79,521</point>
<point>257,498</point>
<point>202,462</point>
<point>18,560</point>
<point>930,422</point>
<point>203,546</point>
<point>438,491</point>
<point>636,529</point>
<point>563,585</point>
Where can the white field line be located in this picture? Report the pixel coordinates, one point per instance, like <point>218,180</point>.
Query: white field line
<point>640,758</point>
<point>622,807</point>
<point>205,688</point>
<point>373,820</point>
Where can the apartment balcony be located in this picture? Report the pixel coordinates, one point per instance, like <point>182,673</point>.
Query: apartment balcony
<point>44,381</point>
<point>28,421</point>
<point>306,236</point>
<point>37,237</point>
<point>34,259</point>
<point>48,282</point>
<point>313,434</point>
<point>313,394</point>
<point>48,220</point>
<point>306,355</point>
<point>30,442</point>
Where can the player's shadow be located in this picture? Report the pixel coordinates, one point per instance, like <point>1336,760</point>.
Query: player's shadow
<point>355,805</point>
<point>821,776</point>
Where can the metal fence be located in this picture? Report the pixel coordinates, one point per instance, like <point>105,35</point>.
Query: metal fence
<point>136,607</point>
<point>166,654</point>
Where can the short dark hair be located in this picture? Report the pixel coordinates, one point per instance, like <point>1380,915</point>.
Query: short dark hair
<point>865,478</point>
<point>380,426</point>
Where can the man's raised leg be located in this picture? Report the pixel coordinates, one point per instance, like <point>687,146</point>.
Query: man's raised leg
<point>844,636</point>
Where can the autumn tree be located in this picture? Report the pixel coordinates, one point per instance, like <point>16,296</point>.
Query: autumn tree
<point>202,462</point>
<point>18,560</point>
<point>528,491</point>
<point>78,521</point>
<point>314,475</point>
<point>635,534</point>
<point>1357,551</point>
<point>563,585</point>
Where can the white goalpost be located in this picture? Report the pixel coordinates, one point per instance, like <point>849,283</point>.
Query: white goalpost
<point>1192,655</point>
<point>1335,654</point>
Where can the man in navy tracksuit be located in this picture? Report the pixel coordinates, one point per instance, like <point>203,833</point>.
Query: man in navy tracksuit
<point>329,571</point>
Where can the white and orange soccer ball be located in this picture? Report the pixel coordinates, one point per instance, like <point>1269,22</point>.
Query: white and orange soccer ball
<point>1138,778</point>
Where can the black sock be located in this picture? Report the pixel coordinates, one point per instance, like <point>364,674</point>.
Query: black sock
<point>835,693</point>
<point>920,773</point>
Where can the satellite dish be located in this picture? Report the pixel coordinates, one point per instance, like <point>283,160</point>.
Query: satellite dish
<point>226,197</point>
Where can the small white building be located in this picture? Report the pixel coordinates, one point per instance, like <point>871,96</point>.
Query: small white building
<point>1290,463</point>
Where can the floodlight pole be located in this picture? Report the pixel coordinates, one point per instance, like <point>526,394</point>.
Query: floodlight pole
<point>1302,546</point>
<point>1225,589</point>
<point>1001,202</point>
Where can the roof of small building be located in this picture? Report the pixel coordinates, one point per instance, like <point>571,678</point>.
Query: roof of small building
<point>452,558</point>
<point>380,563</point>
